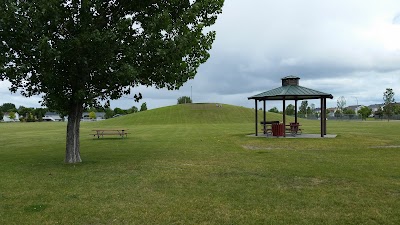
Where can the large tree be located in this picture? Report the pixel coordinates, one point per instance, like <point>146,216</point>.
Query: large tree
<point>12,115</point>
<point>388,98</point>
<point>273,110</point>
<point>184,100</point>
<point>76,54</point>
<point>349,112</point>
<point>290,110</point>
<point>379,113</point>
<point>365,112</point>
<point>40,112</point>
<point>133,109</point>
<point>341,104</point>
<point>8,107</point>
<point>303,108</point>
<point>143,107</point>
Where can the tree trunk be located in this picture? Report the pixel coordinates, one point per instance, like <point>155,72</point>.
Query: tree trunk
<point>72,153</point>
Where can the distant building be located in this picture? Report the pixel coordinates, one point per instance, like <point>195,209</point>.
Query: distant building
<point>330,110</point>
<point>52,116</point>
<point>99,116</point>
<point>375,107</point>
<point>355,108</point>
<point>6,117</point>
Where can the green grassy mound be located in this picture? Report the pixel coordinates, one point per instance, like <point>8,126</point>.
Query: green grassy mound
<point>206,113</point>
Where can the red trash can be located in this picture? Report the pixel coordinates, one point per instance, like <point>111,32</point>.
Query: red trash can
<point>275,129</point>
<point>278,129</point>
<point>281,129</point>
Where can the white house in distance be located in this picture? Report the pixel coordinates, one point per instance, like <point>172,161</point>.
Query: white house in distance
<point>99,116</point>
<point>52,116</point>
<point>330,110</point>
<point>375,107</point>
<point>355,108</point>
<point>6,117</point>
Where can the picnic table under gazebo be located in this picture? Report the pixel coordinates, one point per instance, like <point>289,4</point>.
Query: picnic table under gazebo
<point>290,90</point>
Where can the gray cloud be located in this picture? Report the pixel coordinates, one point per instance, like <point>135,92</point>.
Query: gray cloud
<point>396,19</point>
<point>345,47</point>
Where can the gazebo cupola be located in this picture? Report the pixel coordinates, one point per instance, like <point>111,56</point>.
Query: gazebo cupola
<point>290,80</point>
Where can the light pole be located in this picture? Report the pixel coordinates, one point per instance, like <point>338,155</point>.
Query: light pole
<point>357,105</point>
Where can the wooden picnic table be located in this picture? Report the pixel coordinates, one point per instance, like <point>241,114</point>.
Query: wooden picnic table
<point>101,132</point>
<point>267,126</point>
<point>294,128</point>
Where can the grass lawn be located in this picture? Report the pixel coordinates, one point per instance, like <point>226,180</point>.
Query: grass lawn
<point>194,164</point>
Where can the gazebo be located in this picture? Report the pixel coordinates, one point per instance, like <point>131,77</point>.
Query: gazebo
<point>291,90</point>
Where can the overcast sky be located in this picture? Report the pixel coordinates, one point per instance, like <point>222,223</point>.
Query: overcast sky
<point>347,48</point>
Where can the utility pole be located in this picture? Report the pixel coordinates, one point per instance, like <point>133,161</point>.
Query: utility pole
<point>357,105</point>
<point>191,92</point>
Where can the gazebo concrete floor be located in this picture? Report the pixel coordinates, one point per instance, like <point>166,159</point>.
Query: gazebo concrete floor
<point>297,136</point>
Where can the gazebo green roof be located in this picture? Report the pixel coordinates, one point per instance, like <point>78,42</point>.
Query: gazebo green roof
<point>291,92</point>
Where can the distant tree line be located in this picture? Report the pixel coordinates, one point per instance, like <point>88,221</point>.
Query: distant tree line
<point>25,114</point>
<point>304,110</point>
<point>30,114</point>
<point>341,110</point>
<point>389,110</point>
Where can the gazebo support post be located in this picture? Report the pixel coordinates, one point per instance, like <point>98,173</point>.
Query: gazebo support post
<point>295,111</point>
<point>284,117</point>
<point>325,116</point>
<point>322,117</point>
<point>265,117</point>
<point>256,117</point>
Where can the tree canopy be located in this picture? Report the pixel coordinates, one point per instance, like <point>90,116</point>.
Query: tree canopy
<point>12,115</point>
<point>341,104</point>
<point>290,110</point>
<point>86,51</point>
<point>8,107</point>
<point>78,54</point>
<point>388,98</point>
<point>303,107</point>
<point>273,110</point>
<point>143,107</point>
<point>92,115</point>
<point>349,111</point>
<point>184,100</point>
<point>365,112</point>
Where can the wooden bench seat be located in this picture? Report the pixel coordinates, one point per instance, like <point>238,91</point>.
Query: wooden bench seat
<point>267,131</point>
<point>294,129</point>
<point>102,133</point>
<point>125,134</point>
